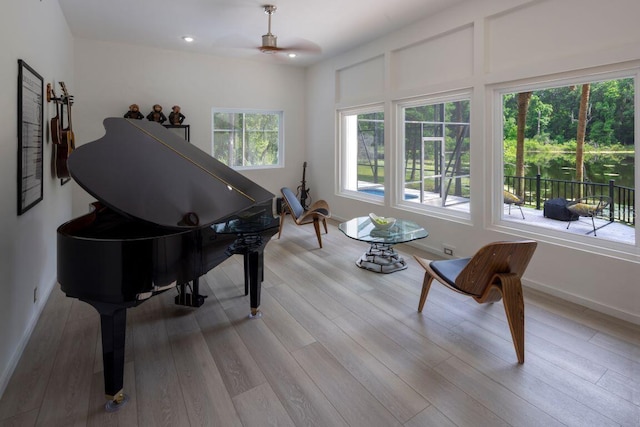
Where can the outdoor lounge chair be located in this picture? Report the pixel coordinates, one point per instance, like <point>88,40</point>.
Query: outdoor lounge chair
<point>590,206</point>
<point>512,199</point>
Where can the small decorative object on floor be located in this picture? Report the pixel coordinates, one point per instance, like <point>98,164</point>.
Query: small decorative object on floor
<point>156,115</point>
<point>175,116</point>
<point>134,113</point>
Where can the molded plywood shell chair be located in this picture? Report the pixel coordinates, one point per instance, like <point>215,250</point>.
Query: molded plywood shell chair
<point>493,273</point>
<point>318,211</point>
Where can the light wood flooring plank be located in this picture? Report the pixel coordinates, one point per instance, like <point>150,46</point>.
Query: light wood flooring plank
<point>400,399</point>
<point>25,419</point>
<point>584,402</point>
<point>573,361</point>
<point>261,407</point>
<point>458,406</point>
<point>507,405</point>
<point>304,402</point>
<point>205,395</point>
<point>627,387</point>
<point>290,333</point>
<point>239,371</point>
<point>160,401</point>
<point>66,400</point>
<point>25,391</point>
<point>308,282</point>
<point>430,417</point>
<point>356,405</point>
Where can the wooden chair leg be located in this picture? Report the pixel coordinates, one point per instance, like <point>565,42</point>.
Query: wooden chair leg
<point>316,225</point>
<point>324,221</point>
<point>514,309</point>
<point>426,285</point>
<point>282,215</point>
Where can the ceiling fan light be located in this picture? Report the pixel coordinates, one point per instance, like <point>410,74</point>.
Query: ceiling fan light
<point>292,55</point>
<point>188,39</point>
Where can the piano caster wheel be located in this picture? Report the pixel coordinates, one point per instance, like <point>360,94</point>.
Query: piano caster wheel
<point>116,403</point>
<point>255,314</point>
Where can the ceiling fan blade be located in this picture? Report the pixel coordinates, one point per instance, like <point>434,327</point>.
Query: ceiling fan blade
<point>301,46</point>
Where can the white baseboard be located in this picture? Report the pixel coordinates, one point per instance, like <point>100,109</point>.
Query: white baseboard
<point>585,302</point>
<point>24,340</point>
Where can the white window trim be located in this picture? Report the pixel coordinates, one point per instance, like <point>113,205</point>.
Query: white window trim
<point>281,144</point>
<point>345,154</point>
<point>399,202</point>
<point>495,121</point>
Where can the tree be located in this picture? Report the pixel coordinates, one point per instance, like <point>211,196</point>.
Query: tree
<point>523,106</point>
<point>582,128</point>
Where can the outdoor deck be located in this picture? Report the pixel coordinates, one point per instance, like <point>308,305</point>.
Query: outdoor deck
<point>614,231</point>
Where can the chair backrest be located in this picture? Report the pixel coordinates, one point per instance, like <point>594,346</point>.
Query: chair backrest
<point>296,208</point>
<point>494,258</point>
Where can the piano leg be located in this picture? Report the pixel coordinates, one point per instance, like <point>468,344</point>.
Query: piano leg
<point>253,260</point>
<point>113,323</point>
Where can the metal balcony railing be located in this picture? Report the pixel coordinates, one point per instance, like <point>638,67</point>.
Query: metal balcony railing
<point>536,190</point>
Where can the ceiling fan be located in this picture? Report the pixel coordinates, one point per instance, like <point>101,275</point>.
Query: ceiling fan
<point>270,41</point>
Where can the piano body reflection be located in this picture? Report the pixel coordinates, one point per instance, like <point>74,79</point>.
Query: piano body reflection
<point>167,213</point>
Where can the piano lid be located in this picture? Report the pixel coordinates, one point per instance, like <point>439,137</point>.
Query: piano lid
<point>145,171</point>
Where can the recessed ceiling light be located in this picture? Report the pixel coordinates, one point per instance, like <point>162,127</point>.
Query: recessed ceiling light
<point>188,39</point>
<point>292,55</point>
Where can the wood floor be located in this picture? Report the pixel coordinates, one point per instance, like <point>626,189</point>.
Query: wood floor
<point>336,346</point>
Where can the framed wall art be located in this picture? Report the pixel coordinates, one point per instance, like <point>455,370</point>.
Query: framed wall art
<point>30,137</point>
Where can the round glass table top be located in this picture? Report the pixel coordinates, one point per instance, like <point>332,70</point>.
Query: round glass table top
<point>402,231</point>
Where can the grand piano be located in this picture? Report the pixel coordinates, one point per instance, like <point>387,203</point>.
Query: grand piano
<point>167,213</point>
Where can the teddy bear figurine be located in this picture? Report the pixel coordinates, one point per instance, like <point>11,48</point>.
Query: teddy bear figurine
<point>134,113</point>
<point>156,115</point>
<point>175,116</point>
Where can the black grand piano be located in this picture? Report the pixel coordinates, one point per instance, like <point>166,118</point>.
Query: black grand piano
<point>167,213</point>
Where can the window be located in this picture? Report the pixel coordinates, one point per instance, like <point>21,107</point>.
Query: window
<point>248,139</point>
<point>436,153</point>
<point>573,141</point>
<point>362,152</point>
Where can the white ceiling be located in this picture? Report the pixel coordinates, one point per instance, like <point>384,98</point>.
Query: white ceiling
<point>234,27</point>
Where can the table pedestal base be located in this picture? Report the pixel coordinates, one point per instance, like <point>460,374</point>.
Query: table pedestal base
<point>381,258</point>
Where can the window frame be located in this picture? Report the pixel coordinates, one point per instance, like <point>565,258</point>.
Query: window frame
<point>343,154</point>
<point>422,208</point>
<point>495,117</point>
<point>281,142</point>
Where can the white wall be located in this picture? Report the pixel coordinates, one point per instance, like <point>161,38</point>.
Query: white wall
<point>473,46</point>
<point>37,33</point>
<point>110,77</point>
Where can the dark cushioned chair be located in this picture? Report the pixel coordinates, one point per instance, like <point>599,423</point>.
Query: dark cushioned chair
<point>318,211</point>
<point>493,273</point>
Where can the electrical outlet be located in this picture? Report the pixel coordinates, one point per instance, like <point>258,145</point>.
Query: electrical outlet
<point>35,294</point>
<point>448,250</point>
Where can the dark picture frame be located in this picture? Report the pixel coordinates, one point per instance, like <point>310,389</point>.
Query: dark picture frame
<point>30,137</point>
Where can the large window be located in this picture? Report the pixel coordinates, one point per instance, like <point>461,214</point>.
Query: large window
<point>574,143</point>
<point>362,152</point>
<point>248,139</point>
<point>436,153</point>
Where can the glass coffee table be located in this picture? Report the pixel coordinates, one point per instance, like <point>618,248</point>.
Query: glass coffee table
<point>381,257</point>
